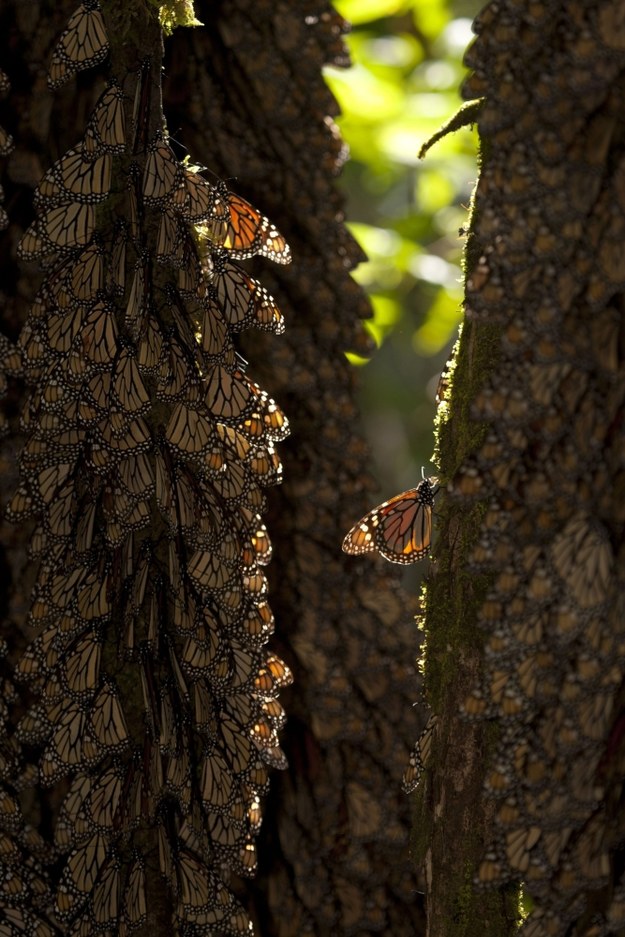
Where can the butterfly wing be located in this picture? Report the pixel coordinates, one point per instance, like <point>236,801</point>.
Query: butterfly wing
<point>243,231</point>
<point>404,528</point>
<point>399,529</point>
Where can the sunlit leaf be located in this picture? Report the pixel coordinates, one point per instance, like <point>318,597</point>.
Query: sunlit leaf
<point>363,11</point>
<point>363,96</point>
<point>386,314</point>
<point>356,359</point>
<point>440,324</point>
<point>434,190</point>
<point>430,17</point>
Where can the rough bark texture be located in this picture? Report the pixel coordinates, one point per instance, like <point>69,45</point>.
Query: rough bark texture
<point>525,626</point>
<point>245,95</point>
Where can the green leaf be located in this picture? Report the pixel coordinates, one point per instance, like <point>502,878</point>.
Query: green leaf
<point>363,11</point>
<point>441,323</point>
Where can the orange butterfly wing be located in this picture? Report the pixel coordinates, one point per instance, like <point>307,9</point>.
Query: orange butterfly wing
<point>399,529</point>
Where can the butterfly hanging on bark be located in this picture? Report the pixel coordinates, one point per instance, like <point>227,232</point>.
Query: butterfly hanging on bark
<point>400,530</point>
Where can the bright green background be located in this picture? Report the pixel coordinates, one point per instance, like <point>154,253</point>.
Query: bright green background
<point>405,212</point>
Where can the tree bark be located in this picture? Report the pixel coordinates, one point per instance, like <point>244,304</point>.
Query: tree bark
<point>524,623</point>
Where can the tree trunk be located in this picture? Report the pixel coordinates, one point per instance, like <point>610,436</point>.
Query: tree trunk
<point>524,624</point>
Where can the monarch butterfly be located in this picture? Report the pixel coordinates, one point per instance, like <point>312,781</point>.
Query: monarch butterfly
<point>364,811</point>
<point>118,436</point>
<point>162,174</point>
<point>94,403</point>
<point>6,142</point>
<point>61,587</point>
<point>199,652</point>
<point>184,498</point>
<point>104,797</point>
<point>170,241</point>
<point>274,712</point>
<point>139,298</point>
<point>116,273</point>
<point>261,543</point>
<point>107,721</point>
<point>38,657</point>
<point>181,317</point>
<point>228,395</point>
<point>68,744</point>
<point>206,569</point>
<point>188,430</point>
<point>195,197</point>
<point>82,44</point>
<point>233,483</point>
<point>420,756</point>
<point>52,480</point>
<point>10,815</point>
<point>178,776</point>
<point>267,419</point>
<point>171,722</point>
<point>204,715</point>
<point>492,868</point>
<point>128,384</point>
<point>216,340</point>
<point>519,844</point>
<point>60,229</point>
<point>135,904</point>
<point>74,178</point>
<point>241,230</point>
<point>246,861</point>
<point>266,465</point>
<point>190,271</point>
<point>236,668</point>
<point>62,330</point>
<point>141,108</point>
<point>216,784</point>
<point>236,748</point>
<point>80,874</point>
<point>273,756</point>
<point>34,726</point>
<point>582,557</point>
<point>399,529</point>
<point>105,898</point>
<point>150,345</point>
<point>243,300</point>
<point>87,273</point>
<point>81,670</point>
<point>136,210</point>
<point>254,582</point>
<point>70,813</point>
<point>99,335</point>
<point>195,885</point>
<point>93,599</point>
<point>136,474</point>
<point>106,129</point>
<point>281,674</point>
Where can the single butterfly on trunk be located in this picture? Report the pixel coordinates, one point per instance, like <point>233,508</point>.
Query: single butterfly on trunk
<point>400,530</point>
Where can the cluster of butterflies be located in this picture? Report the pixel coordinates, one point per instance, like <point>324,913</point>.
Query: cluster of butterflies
<point>148,448</point>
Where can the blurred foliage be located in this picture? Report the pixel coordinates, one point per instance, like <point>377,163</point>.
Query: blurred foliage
<point>406,213</point>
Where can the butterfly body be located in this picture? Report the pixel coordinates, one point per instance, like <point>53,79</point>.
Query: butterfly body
<point>400,529</point>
